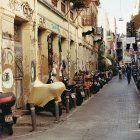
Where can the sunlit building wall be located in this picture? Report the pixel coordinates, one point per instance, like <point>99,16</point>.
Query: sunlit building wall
<point>31,30</point>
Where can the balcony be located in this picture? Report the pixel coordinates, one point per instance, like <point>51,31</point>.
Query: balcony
<point>80,4</point>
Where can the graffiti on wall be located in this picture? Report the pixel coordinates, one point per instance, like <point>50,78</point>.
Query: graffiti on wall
<point>42,21</point>
<point>55,58</point>
<point>7,63</point>
<point>27,11</point>
<point>17,5</point>
<point>7,78</point>
<point>7,52</point>
<point>33,71</point>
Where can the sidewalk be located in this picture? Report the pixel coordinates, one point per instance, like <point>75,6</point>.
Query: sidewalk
<point>44,121</point>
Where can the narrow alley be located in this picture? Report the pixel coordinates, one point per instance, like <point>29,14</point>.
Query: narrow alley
<point>111,114</point>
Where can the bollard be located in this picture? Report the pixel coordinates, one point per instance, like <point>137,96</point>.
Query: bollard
<point>67,104</point>
<point>33,117</point>
<point>89,93</point>
<point>74,99</point>
<point>57,109</point>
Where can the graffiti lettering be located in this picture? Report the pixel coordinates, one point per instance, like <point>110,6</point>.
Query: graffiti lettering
<point>42,21</point>
<point>27,10</point>
<point>6,76</point>
<point>15,5</point>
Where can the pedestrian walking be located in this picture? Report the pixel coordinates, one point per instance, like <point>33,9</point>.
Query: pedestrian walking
<point>120,73</point>
<point>128,73</point>
<point>123,71</point>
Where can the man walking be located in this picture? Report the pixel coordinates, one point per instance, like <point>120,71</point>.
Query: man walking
<point>128,73</point>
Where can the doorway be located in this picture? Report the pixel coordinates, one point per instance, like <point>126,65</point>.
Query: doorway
<point>18,64</point>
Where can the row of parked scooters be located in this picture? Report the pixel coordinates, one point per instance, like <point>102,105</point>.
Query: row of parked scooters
<point>85,85</point>
<point>80,91</point>
<point>75,93</point>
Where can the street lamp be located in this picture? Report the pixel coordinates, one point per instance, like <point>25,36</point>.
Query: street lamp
<point>120,19</point>
<point>71,6</point>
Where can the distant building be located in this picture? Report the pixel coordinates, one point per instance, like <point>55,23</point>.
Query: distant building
<point>135,31</point>
<point>108,23</point>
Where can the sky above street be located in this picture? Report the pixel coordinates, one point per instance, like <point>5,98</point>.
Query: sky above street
<point>118,9</point>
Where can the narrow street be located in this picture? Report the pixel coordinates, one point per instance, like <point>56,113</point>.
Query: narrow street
<point>111,114</point>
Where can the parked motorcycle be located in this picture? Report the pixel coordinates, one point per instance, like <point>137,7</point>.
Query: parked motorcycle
<point>95,86</point>
<point>99,81</point>
<point>80,94</point>
<point>103,78</point>
<point>70,92</point>
<point>43,96</point>
<point>73,91</point>
<point>138,80</point>
<point>7,119</point>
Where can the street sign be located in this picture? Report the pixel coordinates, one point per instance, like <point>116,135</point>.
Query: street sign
<point>130,40</point>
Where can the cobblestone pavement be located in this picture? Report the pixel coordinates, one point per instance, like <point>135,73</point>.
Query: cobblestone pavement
<point>111,114</point>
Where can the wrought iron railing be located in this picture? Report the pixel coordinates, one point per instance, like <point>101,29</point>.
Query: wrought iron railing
<point>78,4</point>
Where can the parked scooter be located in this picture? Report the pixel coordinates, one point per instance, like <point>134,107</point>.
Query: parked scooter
<point>70,92</point>
<point>95,86</point>
<point>103,78</point>
<point>80,94</point>
<point>99,80</point>
<point>43,96</point>
<point>7,119</point>
<point>138,80</point>
<point>73,91</point>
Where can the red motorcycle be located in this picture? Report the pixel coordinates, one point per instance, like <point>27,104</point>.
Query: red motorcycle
<point>7,119</point>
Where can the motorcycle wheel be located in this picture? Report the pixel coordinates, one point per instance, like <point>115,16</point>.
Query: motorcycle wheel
<point>71,102</point>
<point>79,99</point>
<point>50,107</point>
<point>10,130</point>
<point>60,111</point>
<point>138,85</point>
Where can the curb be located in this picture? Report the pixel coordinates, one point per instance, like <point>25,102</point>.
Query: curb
<point>136,87</point>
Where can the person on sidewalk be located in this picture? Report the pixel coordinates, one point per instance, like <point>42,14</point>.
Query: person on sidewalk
<point>128,74</point>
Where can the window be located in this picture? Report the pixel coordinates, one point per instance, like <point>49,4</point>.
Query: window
<point>63,7</point>
<point>71,15</point>
<point>54,2</point>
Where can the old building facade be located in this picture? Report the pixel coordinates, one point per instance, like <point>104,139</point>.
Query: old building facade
<point>37,35</point>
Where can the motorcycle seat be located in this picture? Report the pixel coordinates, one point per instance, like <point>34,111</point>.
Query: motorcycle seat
<point>7,98</point>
